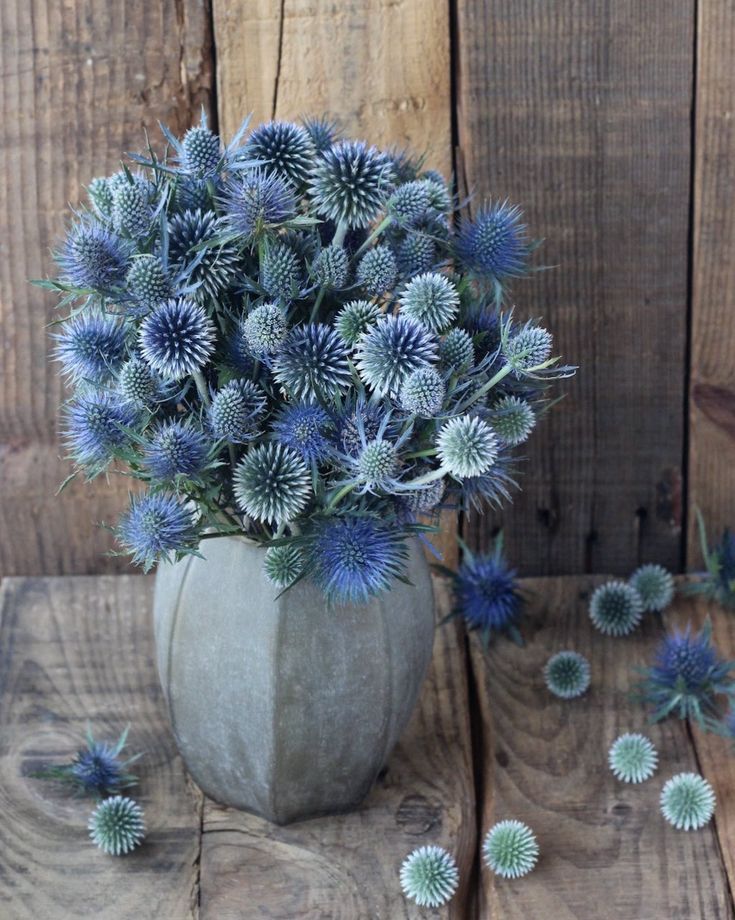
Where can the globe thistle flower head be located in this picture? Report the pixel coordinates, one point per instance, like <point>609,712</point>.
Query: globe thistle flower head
<point>96,769</point>
<point>100,197</point>
<point>510,849</point>
<point>409,202</point>
<point>377,464</point>
<point>284,148</point>
<point>131,212</point>
<point>350,183</point>
<point>390,350</point>
<point>272,483</point>
<point>355,318</point>
<point>97,428</point>
<point>358,424</point>
<point>324,132</point>
<point>91,348</point>
<point>513,420</point>
<point>377,271</point>
<point>486,593</point>
<point>655,585</point>
<point>116,825</point>
<point>283,564</point>
<point>306,429</point>
<point>633,758</point>
<point>138,384</point>
<point>148,283</point>
<point>236,411</point>
<point>616,608</point>
<point>175,448</point>
<point>440,196</point>
<point>430,299</point>
<point>429,876</point>
<point>177,339</point>
<point>456,351</point>
<point>155,526</point>
<point>416,253</point>
<point>467,446</point>
<point>414,502</point>
<point>423,392</point>
<point>311,365</point>
<point>264,329</point>
<point>687,801</point>
<point>201,152</point>
<point>209,266</point>
<point>527,348</point>
<point>280,272</point>
<point>93,257</point>
<point>495,244</point>
<point>331,267</point>
<point>567,674</point>
<point>257,200</point>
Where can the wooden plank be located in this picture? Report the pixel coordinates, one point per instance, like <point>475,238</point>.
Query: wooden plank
<point>581,113</point>
<point>712,379</point>
<point>81,80</point>
<point>75,651</point>
<point>605,850</point>
<point>347,867</point>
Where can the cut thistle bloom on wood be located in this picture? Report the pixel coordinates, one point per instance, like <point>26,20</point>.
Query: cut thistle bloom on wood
<point>390,350</point>
<point>655,585</point>
<point>633,758</point>
<point>91,348</point>
<point>430,299</point>
<point>257,201</point>
<point>350,183</point>
<point>311,365</point>
<point>93,257</point>
<point>97,428</point>
<point>283,565</point>
<point>512,419</point>
<point>117,826</point>
<point>272,484</point>
<point>510,849</point>
<point>174,449</point>
<point>156,526</point>
<point>567,674</point>
<point>355,318</point>
<point>177,339</point>
<point>236,411</point>
<point>264,329</point>
<point>687,801</point>
<point>377,271</point>
<point>466,446</point>
<point>719,581</point>
<point>616,608</point>
<point>429,876</point>
<point>306,429</point>
<point>284,148</point>
<point>423,392</point>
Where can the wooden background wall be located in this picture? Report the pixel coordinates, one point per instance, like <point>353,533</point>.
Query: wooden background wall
<point>611,122</point>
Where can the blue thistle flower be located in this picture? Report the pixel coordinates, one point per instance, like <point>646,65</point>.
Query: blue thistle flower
<point>272,483</point>
<point>311,365</point>
<point>423,392</point>
<point>177,339</point>
<point>193,250</point>
<point>350,183</point>
<point>377,271</point>
<point>510,849</point>
<point>176,449</point>
<point>236,410</point>
<point>116,825</point>
<point>331,267</point>
<point>495,244</point>
<point>93,257</point>
<point>305,429</point>
<point>131,212</point>
<point>719,581</point>
<point>324,132</point>
<point>429,876</point>
<point>100,197</point>
<point>527,348</point>
<point>148,283</point>
<point>358,424</point>
<point>264,329</point>
<point>283,564</point>
<point>616,608</point>
<point>486,593</point>
<point>416,253</point>
<point>156,525</point>
<point>91,348</point>
<point>456,351</point>
<point>280,272</point>
<point>687,801</point>
<point>431,299</point>
<point>567,674</point>
<point>196,194</point>
<point>467,446</point>
<point>355,318</point>
<point>512,419</point>
<point>655,585</point>
<point>633,758</point>
<point>97,427</point>
<point>409,202</point>
<point>201,152</point>
<point>138,384</point>
<point>257,201</point>
<point>390,350</point>
<point>285,148</point>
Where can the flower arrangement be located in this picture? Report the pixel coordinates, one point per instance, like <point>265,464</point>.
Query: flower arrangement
<point>288,338</point>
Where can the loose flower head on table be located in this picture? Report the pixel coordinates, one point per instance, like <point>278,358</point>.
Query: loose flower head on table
<point>291,338</point>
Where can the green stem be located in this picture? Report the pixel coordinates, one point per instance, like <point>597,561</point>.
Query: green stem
<point>384,224</point>
<point>427,477</point>
<point>485,388</point>
<point>317,303</point>
<point>201,387</point>
<point>345,490</point>
<point>428,452</point>
<point>339,234</point>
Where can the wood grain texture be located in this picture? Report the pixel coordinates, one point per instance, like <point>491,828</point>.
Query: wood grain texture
<point>347,867</point>
<point>81,80</point>
<point>712,380</point>
<point>581,113</point>
<point>75,651</point>
<point>605,850</point>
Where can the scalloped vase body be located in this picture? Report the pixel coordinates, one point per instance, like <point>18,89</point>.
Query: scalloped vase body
<point>284,706</point>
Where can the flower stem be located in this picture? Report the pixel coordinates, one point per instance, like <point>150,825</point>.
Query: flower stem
<point>345,490</point>
<point>201,387</point>
<point>485,388</point>
<point>317,303</point>
<point>339,234</point>
<point>384,224</point>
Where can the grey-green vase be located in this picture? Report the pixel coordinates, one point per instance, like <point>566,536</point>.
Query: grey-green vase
<point>284,706</point>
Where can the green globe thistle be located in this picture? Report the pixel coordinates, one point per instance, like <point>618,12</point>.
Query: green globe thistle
<point>236,410</point>
<point>377,271</point>
<point>527,348</point>
<point>350,183</point>
<point>148,282</point>
<point>633,758</point>
<point>440,197</point>
<point>567,674</point>
<point>510,849</point>
<point>409,202</point>
<point>116,825</point>
<point>377,463</point>
<point>200,152</point>
<point>456,351</point>
<point>423,392</point>
<point>655,584</point>
<point>430,299</point>
<point>131,210</point>
<point>138,383</point>
<point>687,801</point>
<point>272,483</point>
<point>467,446</point>
<point>416,253</point>
<point>429,876</point>
<point>616,608</point>
<point>283,565</point>
<point>264,329</point>
<point>280,272</point>
<point>513,420</point>
<point>355,318</point>
<point>100,196</point>
<point>331,266</point>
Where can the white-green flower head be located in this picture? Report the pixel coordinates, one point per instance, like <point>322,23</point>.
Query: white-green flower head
<point>138,383</point>
<point>355,318</point>
<point>527,348</point>
<point>264,329</point>
<point>567,674</point>
<point>429,876</point>
<point>131,210</point>
<point>377,462</point>
<point>687,801</point>
<point>633,758</point>
<point>147,282</point>
<point>377,271</point>
<point>116,825</point>
<point>430,299</point>
<point>331,267</point>
<point>440,198</point>
<point>467,446</point>
<point>100,196</point>
<point>510,849</point>
<point>350,183</point>
<point>616,608</point>
<point>456,351</point>
<point>280,272</point>
<point>416,253</point>
<point>201,152</point>
<point>272,484</point>
<point>409,202</point>
<point>283,565</point>
<point>513,420</point>
<point>655,584</point>
<point>423,392</point>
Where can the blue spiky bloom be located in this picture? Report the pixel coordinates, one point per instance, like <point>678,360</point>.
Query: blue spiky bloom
<point>467,446</point>
<point>323,131</point>
<point>655,585</point>
<point>195,250</point>
<point>283,564</point>
<point>138,383</point>
<point>264,329</point>
<point>490,488</point>
<point>311,365</point>
<point>350,183</point>
<point>97,427</point>
<point>430,299</point>
<point>272,483</point>
<point>331,267</point>
<point>633,758</point>
<point>390,350</point>
<point>148,283</point>
<point>305,428</point>
<point>429,876</point>
<point>423,392</point>
<point>200,152</point>
<point>155,526</point>
<point>236,410</point>
<point>719,581</point>
<point>176,448</point>
<point>616,608</point>
<point>355,318</point>
<point>513,419</point>
<point>93,257</point>
<point>416,253</point>
<point>177,339</point>
<point>116,825</point>
<point>131,211</point>
<point>510,849</point>
<point>409,202</point>
<point>486,593</point>
<point>91,347</point>
<point>686,676</point>
<point>284,148</point>
<point>256,201</point>
<point>280,272</point>
<point>687,801</point>
<point>567,674</point>
<point>456,351</point>
<point>377,271</point>
<point>495,243</point>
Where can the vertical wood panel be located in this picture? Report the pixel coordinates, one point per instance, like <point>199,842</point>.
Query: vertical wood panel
<point>712,391</point>
<point>581,112</point>
<point>81,79</point>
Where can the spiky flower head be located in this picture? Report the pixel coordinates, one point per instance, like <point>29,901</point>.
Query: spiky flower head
<point>527,348</point>
<point>100,196</point>
<point>429,876</point>
<point>512,419</point>
<point>175,448</point>
<point>390,350</point>
<point>495,244</point>
<point>567,674</point>
<point>422,501</point>
<point>148,282</point>
<point>355,318</point>
<point>131,211</point>
<point>423,392</point>
<point>284,148</point>
<point>258,200</point>
<point>416,253</point>
<point>409,202</point>
<point>655,584</point>
<point>138,384</point>
<point>687,801</point>
<point>116,825</point>
<point>200,152</point>
<point>305,428</point>
<point>96,769</point>
<point>283,564</point>
<point>377,463</point>
<point>236,410</point>
<point>264,329</point>
<point>486,593</point>
<point>456,351</point>
<point>210,266</point>
<point>280,272</point>
<point>616,608</point>
<point>97,427</point>
<point>430,299</point>
<point>323,132</point>
<point>377,271</point>
<point>177,339</point>
<point>93,257</point>
<point>440,195</point>
<point>156,525</point>
<point>358,423</point>
<point>311,365</point>
<point>510,849</point>
<point>350,183</point>
<point>91,348</point>
<point>633,758</point>
<point>467,446</point>
<point>331,266</point>
<point>272,483</point>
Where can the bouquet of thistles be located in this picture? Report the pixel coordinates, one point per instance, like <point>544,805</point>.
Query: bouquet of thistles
<point>292,339</point>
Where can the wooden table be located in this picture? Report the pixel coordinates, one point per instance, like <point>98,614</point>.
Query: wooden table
<point>487,742</point>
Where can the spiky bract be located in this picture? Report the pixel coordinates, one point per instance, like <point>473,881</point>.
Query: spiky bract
<point>495,243</point>
<point>510,849</point>
<point>616,608</point>
<point>377,463</point>
<point>527,348</point>
<point>355,318</point>
<point>409,202</point>
<point>283,564</point>
<point>467,446</point>
<point>655,584</point>
<point>131,211</point>
<point>96,769</point>
<point>390,350</point>
<point>91,348</point>
<point>116,825</point>
<point>138,384</point>
<point>351,183</point>
<point>430,299</point>
<point>429,876</point>
<point>272,483</point>
<point>377,271</point>
<point>687,801</point>
<point>177,339</point>
<point>567,674</point>
<point>155,526</point>
<point>257,201</point>
<point>513,420</point>
<point>284,148</point>
<point>423,392</point>
<point>416,253</point>
<point>311,365</point>
<point>201,154</point>
<point>633,758</point>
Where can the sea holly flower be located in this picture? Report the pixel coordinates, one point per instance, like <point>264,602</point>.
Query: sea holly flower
<point>390,350</point>
<point>305,428</point>
<point>633,758</point>
<point>430,299</point>
<point>377,271</point>
<point>429,876</point>
<point>236,411</point>
<point>687,801</point>
<point>177,339</point>
<point>284,148</point>
<point>156,526</point>
<point>311,364</point>
<point>510,849</point>
<point>256,202</point>
<point>117,825</point>
<point>350,183</point>
<point>91,348</point>
<point>616,608</point>
<point>354,319</point>
<point>93,257</point>
<point>495,244</point>
<point>272,483</point>
<point>174,449</point>
<point>567,674</point>
<point>283,565</point>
